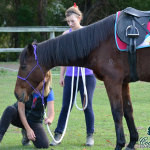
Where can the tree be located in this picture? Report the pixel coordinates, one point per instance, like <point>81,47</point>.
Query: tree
<point>52,13</point>
<point>42,14</point>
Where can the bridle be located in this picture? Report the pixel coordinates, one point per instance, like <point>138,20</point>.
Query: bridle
<point>25,79</point>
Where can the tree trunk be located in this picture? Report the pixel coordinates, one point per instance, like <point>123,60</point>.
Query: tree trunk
<point>42,4</point>
<point>92,11</point>
<point>14,37</point>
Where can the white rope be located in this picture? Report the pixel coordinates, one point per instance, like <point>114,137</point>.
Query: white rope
<point>71,99</point>
<point>85,90</point>
<point>72,82</point>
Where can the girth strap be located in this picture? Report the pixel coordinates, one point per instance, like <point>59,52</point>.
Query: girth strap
<point>132,63</point>
<point>133,34</point>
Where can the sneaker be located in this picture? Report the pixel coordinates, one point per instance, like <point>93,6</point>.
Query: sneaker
<point>25,140</point>
<point>89,139</point>
<point>57,137</point>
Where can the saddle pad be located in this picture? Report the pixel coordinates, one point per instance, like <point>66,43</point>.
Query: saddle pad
<point>123,46</point>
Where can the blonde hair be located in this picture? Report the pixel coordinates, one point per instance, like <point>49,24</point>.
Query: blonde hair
<point>73,10</point>
<point>48,83</point>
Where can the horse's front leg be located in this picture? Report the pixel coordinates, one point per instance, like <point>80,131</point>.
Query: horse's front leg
<point>114,91</point>
<point>128,114</point>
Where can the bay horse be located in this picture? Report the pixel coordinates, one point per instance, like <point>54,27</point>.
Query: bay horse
<point>92,47</point>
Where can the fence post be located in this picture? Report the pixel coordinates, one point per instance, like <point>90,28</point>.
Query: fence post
<point>49,29</point>
<point>52,35</point>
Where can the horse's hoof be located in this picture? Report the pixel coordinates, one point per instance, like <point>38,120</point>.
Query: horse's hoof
<point>127,148</point>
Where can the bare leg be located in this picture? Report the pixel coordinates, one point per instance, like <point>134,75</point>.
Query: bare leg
<point>128,114</point>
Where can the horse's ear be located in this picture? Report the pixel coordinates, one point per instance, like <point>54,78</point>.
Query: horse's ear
<point>30,49</point>
<point>34,42</point>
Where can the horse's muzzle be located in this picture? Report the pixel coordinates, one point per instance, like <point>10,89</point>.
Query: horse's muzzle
<point>20,99</point>
<point>16,95</point>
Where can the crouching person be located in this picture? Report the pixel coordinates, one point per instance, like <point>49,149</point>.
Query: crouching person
<point>30,115</point>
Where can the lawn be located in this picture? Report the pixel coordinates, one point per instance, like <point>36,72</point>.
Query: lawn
<point>75,136</point>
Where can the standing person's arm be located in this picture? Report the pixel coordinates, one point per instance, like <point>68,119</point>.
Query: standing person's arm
<point>50,113</point>
<point>62,73</point>
<point>30,132</point>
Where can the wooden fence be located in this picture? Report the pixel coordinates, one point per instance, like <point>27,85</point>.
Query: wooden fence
<point>50,29</point>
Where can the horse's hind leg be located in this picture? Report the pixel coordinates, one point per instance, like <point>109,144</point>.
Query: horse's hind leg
<point>128,114</point>
<point>114,91</point>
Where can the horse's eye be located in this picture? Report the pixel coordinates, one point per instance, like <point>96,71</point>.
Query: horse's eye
<point>23,67</point>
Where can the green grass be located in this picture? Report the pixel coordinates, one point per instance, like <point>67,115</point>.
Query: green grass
<point>74,139</point>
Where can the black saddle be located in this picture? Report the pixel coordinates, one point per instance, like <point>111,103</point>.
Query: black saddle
<point>125,25</point>
<point>136,13</point>
<point>132,28</point>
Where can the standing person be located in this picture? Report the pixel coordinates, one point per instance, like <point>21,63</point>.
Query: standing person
<point>73,18</point>
<point>29,116</point>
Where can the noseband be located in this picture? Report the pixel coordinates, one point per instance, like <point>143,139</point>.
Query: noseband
<point>25,79</point>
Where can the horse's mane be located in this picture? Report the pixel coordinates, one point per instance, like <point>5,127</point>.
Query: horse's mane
<point>75,45</point>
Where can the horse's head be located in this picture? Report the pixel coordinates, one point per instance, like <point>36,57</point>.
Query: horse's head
<point>30,74</point>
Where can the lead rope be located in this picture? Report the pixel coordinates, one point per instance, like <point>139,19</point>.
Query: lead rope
<point>85,90</point>
<point>68,114</point>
